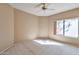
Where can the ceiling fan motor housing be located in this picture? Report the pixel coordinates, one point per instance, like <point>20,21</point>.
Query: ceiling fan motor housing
<point>44,6</point>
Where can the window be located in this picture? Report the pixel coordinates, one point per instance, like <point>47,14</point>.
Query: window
<point>59,30</point>
<point>68,27</point>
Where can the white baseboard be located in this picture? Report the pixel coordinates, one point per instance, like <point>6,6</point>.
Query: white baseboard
<point>6,48</point>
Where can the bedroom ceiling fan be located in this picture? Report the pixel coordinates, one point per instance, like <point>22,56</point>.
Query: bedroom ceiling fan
<point>44,6</point>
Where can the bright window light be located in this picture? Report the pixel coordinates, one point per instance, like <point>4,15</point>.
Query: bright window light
<point>68,27</point>
<point>59,30</point>
<point>71,28</point>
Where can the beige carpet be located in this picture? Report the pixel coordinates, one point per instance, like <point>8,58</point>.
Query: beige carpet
<point>41,47</point>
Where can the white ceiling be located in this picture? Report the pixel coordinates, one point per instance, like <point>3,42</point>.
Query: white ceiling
<point>30,8</point>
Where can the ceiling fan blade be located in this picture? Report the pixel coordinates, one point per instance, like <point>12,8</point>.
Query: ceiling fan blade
<point>48,4</point>
<point>42,4</point>
<point>39,5</point>
<point>38,11</point>
<point>50,9</point>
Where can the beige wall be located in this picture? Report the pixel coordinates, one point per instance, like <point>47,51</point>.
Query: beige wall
<point>26,25</point>
<point>43,27</point>
<point>53,18</point>
<point>6,26</point>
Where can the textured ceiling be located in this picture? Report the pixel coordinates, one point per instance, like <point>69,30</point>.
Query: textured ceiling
<point>31,8</point>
